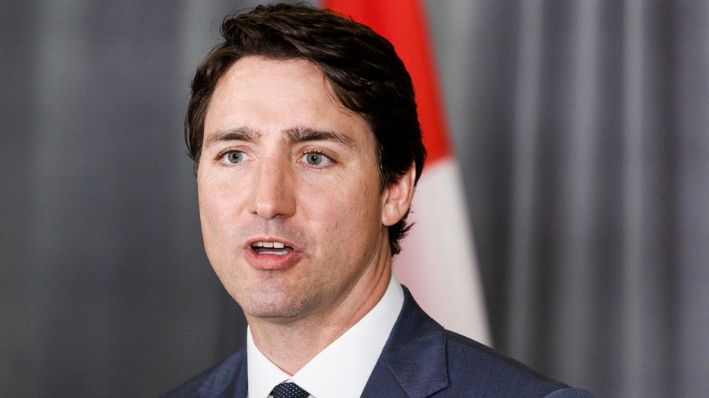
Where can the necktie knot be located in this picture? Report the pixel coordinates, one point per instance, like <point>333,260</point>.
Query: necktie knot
<point>289,389</point>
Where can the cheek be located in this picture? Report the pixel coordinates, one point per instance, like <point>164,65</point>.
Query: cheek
<point>216,206</point>
<point>343,212</point>
<point>209,207</point>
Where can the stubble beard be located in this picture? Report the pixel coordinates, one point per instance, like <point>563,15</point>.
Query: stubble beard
<point>278,301</point>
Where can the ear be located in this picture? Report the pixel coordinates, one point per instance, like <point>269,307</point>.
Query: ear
<point>396,198</point>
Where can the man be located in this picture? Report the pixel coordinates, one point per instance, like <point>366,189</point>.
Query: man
<point>307,147</point>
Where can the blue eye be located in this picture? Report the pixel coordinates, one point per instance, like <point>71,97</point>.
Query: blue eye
<point>315,159</point>
<point>234,157</point>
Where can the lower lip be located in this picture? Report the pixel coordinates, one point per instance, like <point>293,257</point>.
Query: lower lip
<point>272,261</point>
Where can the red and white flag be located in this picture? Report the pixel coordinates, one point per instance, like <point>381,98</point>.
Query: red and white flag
<point>437,260</point>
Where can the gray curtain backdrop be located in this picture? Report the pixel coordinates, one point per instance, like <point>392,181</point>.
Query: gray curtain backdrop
<point>583,131</point>
<point>582,128</point>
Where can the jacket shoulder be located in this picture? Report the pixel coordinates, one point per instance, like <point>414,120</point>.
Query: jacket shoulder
<point>422,359</point>
<point>218,377</point>
<point>472,365</point>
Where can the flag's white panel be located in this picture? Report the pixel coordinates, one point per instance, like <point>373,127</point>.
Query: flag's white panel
<point>437,261</point>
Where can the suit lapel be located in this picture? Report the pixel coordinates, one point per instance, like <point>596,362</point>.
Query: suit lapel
<point>413,362</point>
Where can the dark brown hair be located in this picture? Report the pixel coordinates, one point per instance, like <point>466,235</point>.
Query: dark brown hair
<point>366,75</point>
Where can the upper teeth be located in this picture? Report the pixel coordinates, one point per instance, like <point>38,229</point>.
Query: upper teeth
<point>275,245</point>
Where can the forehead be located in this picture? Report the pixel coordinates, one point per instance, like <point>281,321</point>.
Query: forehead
<point>259,72</point>
<point>267,94</point>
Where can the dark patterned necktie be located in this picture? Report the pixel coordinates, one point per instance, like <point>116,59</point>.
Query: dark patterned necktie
<point>289,390</point>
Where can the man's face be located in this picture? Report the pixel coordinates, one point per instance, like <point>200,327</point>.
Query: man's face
<point>289,193</point>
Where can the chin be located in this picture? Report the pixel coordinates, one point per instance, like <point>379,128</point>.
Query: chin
<point>274,305</point>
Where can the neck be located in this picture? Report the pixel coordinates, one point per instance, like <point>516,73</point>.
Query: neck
<point>292,344</point>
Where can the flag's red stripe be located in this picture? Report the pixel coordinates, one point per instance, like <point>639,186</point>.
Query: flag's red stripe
<point>404,24</point>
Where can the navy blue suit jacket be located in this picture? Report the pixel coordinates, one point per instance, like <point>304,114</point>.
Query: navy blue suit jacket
<point>420,359</point>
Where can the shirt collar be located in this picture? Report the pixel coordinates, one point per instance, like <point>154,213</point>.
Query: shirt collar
<point>263,374</point>
<point>342,368</point>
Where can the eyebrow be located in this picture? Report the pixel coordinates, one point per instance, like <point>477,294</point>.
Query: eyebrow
<point>304,134</point>
<point>295,135</point>
<point>236,134</point>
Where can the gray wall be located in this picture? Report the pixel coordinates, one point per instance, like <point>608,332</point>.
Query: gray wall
<point>581,127</point>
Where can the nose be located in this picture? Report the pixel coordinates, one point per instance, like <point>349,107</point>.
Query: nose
<point>272,191</point>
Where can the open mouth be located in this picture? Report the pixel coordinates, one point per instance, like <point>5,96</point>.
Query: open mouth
<point>271,247</point>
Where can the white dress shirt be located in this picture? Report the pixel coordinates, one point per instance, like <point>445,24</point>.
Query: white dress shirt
<point>342,368</point>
